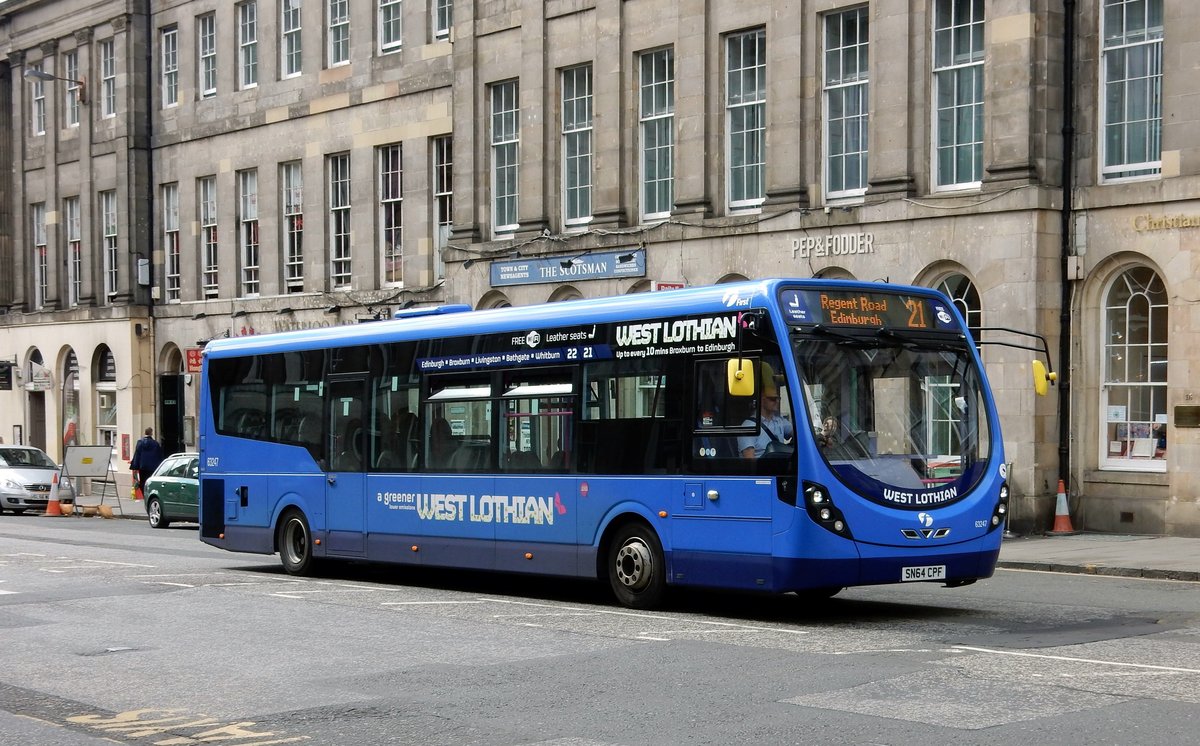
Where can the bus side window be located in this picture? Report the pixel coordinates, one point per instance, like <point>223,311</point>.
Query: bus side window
<point>719,416</point>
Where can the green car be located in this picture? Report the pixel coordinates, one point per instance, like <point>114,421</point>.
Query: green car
<point>171,493</point>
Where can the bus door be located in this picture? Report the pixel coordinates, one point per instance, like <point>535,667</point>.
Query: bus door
<point>345,491</point>
<point>721,517</point>
<point>534,500</point>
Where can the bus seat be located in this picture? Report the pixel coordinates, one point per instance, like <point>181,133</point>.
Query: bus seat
<point>523,461</point>
<point>470,456</point>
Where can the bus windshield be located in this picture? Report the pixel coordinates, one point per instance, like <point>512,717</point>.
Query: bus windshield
<point>899,417</point>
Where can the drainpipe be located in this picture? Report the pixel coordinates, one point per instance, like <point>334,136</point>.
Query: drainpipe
<point>1068,171</point>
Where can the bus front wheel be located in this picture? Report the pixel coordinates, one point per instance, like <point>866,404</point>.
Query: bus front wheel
<point>295,544</point>
<point>637,571</point>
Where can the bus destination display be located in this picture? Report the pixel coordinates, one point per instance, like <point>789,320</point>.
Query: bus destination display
<point>865,308</point>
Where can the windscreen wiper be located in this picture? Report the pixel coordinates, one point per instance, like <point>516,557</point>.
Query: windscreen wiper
<point>824,331</point>
<point>911,341</point>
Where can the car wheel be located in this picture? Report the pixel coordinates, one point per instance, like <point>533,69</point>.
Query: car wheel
<point>155,512</point>
<point>637,571</point>
<point>295,544</point>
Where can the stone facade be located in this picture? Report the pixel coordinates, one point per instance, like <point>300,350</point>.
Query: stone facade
<point>1000,231</point>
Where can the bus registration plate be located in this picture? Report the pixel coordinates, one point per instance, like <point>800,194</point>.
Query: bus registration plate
<point>929,572</point>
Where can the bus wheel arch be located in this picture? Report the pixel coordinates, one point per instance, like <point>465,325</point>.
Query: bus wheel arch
<point>631,557</point>
<point>293,541</point>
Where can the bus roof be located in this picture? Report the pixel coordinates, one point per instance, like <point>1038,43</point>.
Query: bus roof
<point>450,321</point>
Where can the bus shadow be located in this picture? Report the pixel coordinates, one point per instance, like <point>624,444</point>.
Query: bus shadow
<point>787,608</point>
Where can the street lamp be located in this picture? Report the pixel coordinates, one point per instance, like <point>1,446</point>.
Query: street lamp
<point>32,73</point>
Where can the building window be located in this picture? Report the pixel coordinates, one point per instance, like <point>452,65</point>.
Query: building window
<point>846,76</point>
<point>171,241</point>
<point>391,221</point>
<point>206,44</point>
<point>74,251</point>
<point>108,78</point>
<point>338,29</point>
<point>105,373</point>
<point>292,181</point>
<point>965,296</point>
<point>209,253</point>
<point>443,18</point>
<point>169,44</point>
<point>248,44</point>
<point>339,220</point>
<point>248,231</point>
<point>745,117</point>
<point>577,145</point>
<point>72,90</point>
<point>506,142</point>
<point>1132,82</point>
<point>443,197</point>
<point>38,102</point>
<point>108,232</point>
<point>389,25</point>
<point>41,263</point>
<point>657,115</point>
<point>289,48</point>
<point>1134,394</point>
<point>958,92</point>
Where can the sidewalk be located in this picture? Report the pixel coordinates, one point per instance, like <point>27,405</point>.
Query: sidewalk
<point>1161,557</point>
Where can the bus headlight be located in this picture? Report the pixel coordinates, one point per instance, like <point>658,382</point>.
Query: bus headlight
<point>821,509</point>
<point>1001,510</point>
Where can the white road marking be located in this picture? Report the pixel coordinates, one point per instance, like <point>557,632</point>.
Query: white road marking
<point>656,617</point>
<point>882,650</point>
<point>427,603</point>
<point>1146,666</point>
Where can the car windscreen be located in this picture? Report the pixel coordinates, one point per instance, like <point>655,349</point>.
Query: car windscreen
<point>25,458</point>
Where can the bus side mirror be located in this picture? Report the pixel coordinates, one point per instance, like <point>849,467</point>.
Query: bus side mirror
<point>739,377</point>
<point>1042,379</point>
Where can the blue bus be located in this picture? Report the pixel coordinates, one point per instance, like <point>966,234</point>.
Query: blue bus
<point>784,435</point>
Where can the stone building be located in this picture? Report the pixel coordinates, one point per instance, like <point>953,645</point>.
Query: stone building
<point>278,164</point>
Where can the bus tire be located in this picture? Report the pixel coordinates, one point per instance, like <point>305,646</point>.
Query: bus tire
<point>637,570</point>
<point>294,541</point>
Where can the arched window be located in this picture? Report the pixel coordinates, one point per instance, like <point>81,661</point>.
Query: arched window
<point>105,380</point>
<point>1133,397</point>
<point>834,273</point>
<point>70,400</point>
<point>966,298</point>
<point>564,292</point>
<point>493,299</point>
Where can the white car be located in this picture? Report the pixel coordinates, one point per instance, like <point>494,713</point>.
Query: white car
<point>26,474</point>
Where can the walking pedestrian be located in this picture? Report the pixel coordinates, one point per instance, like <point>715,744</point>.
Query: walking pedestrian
<point>147,455</point>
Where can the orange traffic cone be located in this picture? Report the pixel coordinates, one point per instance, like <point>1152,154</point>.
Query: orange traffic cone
<point>52,507</point>
<point>1062,514</point>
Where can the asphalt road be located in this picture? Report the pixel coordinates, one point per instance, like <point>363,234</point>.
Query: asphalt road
<point>113,632</point>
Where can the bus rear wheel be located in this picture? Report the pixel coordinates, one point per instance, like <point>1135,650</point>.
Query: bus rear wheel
<point>295,544</point>
<point>637,571</point>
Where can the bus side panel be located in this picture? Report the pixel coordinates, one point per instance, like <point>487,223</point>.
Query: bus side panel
<point>535,516</point>
<point>416,519</point>
<point>721,532</point>
<point>603,499</point>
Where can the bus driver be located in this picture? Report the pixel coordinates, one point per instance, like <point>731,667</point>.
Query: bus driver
<point>772,426</point>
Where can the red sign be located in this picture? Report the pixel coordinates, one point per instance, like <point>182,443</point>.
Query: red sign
<point>193,359</point>
<point>661,285</point>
